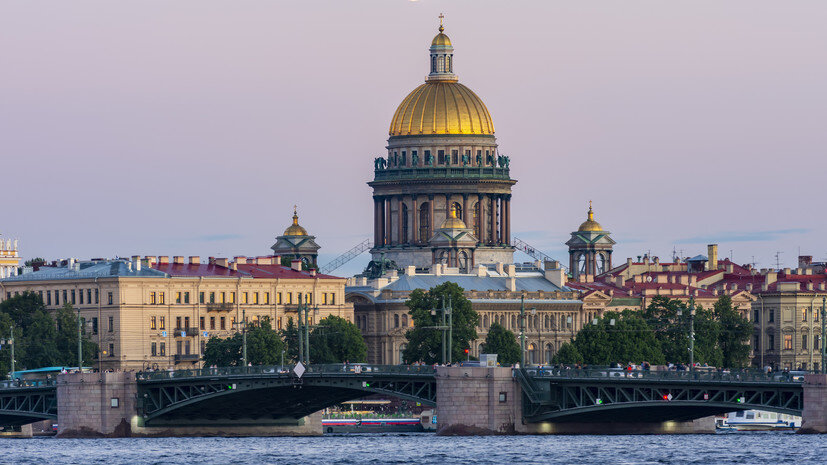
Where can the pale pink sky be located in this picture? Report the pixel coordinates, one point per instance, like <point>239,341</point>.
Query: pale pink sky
<point>192,127</point>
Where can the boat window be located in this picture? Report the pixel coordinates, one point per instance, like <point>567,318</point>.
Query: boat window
<point>739,414</point>
<point>750,415</point>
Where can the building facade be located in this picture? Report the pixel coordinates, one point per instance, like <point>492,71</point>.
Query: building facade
<point>553,312</point>
<point>441,157</point>
<point>153,312</point>
<point>9,258</point>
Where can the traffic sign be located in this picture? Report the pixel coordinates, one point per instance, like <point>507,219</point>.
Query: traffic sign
<point>183,333</point>
<point>163,334</point>
<point>206,334</point>
<point>299,369</point>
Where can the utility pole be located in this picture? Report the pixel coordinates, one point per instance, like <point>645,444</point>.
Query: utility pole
<point>11,342</point>
<point>450,330</point>
<point>80,344</point>
<point>244,335</point>
<point>300,331</point>
<point>444,334</point>
<point>522,331</point>
<point>306,332</point>
<point>691,334</point>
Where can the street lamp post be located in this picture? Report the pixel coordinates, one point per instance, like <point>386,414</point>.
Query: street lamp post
<point>691,332</point>
<point>300,331</point>
<point>446,327</point>
<point>243,325</point>
<point>539,341</point>
<point>522,331</point>
<point>80,344</point>
<point>11,346</point>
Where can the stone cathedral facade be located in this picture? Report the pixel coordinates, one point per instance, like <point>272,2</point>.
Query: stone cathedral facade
<point>442,165</point>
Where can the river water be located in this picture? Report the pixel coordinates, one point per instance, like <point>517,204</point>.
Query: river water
<point>423,448</point>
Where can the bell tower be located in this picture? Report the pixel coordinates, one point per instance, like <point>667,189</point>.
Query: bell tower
<point>590,248</point>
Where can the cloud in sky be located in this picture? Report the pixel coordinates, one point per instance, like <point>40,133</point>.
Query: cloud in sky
<point>756,236</point>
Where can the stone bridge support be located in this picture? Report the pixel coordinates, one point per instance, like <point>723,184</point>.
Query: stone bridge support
<point>814,417</point>
<point>477,400</point>
<point>95,404</point>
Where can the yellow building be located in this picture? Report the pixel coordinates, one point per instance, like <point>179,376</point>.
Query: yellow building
<point>9,258</point>
<point>153,312</point>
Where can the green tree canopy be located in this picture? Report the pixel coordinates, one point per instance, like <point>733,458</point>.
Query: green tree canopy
<point>336,340</point>
<point>264,346</point>
<point>734,335</point>
<point>425,342</point>
<point>616,338</point>
<point>290,336</point>
<point>567,354</point>
<point>502,342</point>
<point>41,339</point>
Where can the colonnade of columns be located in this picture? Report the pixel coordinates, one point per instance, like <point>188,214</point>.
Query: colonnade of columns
<point>413,227</point>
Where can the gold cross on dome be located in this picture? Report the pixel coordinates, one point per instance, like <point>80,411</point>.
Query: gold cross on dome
<point>295,208</point>
<point>441,16</point>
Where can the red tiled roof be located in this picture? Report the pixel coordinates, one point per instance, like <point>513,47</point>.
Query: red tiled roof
<point>279,271</point>
<point>191,270</point>
<point>244,270</point>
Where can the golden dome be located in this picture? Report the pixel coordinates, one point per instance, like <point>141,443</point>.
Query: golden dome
<point>452,222</point>
<point>441,107</point>
<point>294,229</point>
<point>590,224</point>
<point>441,39</point>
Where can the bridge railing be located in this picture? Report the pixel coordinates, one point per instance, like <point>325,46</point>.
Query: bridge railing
<point>757,376</point>
<point>26,383</point>
<point>287,371</point>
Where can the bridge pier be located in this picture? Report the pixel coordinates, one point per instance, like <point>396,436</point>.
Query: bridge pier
<point>814,416</point>
<point>483,401</point>
<point>95,404</point>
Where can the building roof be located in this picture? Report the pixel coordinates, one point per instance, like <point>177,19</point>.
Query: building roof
<point>88,270</point>
<point>474,283</point>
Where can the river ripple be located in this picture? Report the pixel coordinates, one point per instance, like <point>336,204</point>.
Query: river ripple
<point>733,448</point>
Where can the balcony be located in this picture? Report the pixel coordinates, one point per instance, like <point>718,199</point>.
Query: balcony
<point>485,172</point>
<point>189,332</point>
<point>225,307</point>
<point>179,358</point>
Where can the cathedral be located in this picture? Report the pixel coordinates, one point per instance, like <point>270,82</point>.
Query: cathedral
<point>443,193</point>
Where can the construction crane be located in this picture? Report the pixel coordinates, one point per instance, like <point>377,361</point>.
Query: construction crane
<point>532,251</point>
<point>347,256</point>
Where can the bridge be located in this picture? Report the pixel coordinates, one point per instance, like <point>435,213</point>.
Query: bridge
<point>271,394</point>
<point>281,395</point>
<point>606,395</point>
<point>27,402</point>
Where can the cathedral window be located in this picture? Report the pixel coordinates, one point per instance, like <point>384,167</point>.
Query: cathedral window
<point>476,221</point>
<point>405,223</point>
<point>450,64</point>
<point>440,157</point>
<point>455,157</point>
<point>424,222</point>
<point>404,159</point>
<point>433,64</point>
<point>458,208</point>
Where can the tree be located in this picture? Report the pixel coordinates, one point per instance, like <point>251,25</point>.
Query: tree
<point>424,341</point>
<point>290,336</point>
<point>66,339</point>
<point>672,331</point>
<point>264,346</point>
<point>567,355</point>
<point>735,331</point>
<point>504,343</point>
<point>336,340</point>
<point>629,339</point>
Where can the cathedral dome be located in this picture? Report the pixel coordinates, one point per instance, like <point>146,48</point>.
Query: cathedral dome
<point>294,229</point>
<point>441,107</point>
<point>452,222</point>
<point>590,224</point>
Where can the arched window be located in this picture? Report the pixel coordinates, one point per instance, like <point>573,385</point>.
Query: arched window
<point>549,353</point>
<point>485,321</point>
<point>433,64</point>
<point>405,235</point>
<point>601,264</point>
<point>404,320</point>
<point>395,320</point>
<point>424,223</point>
<point>450,64</point>
<point>581,264</point>
<point>513,322</point>
<point>458,207</point>
<point>532,353</point>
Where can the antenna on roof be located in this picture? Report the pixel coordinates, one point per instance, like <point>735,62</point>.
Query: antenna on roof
<point>778,260</point>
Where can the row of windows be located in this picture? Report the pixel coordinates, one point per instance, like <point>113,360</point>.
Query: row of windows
<point>183,348</point>
<point>398,159</point>
<point>72,296</point>
<point>805,314</point>
<point>254,298</point>
<point>182,323</point>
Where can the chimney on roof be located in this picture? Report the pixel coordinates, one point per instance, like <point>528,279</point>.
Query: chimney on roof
<point>730,268</point>
<point>512,284</point>
<point>136,262</point>
<point>178,259</point>
<point>511,269</point>
<point>657,260</point>
<point>678,260</point>
<point>313,272</point>
<point>712,256</point>
<point>295,264</point>
<point>629,262</point>
<point>151,260</point>
<point>276,260</point>
<point>770,278</point>
<point>410,270</point>
<point>810,285</point>
<point>805,260</point>
<point>195,260</point>
<point>129,266</point>
<point>619,281</point>
<point>163,260</point>
<point>234,266</point>
<point>482,271</point>
<point>821,286</point>
<point>211,260</point>
<point>749,287</point>
<point>786,271</point>
<point>556,276</point>
<point>222,262</point>
<point>240,260</point>
<point>500,269</point>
